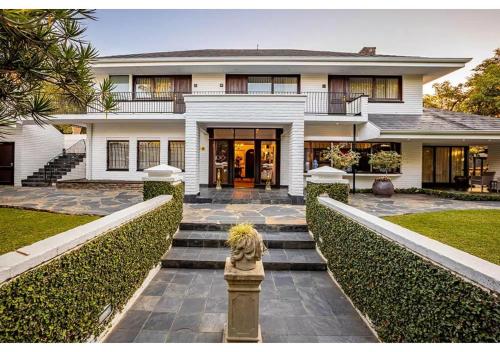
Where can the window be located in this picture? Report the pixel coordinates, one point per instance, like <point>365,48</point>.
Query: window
<point>176,150</point>
<point>153,87</point>
<point>121,83</point>
<point>313,155</point>
<point>378,88</point>
<point>260,84</point>
<point>148,154</point>
<point>263,84</point>
<point>118,156</point>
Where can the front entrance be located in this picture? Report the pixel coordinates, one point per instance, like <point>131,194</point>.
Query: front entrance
<point>244,157</point>
<point>7,163</point>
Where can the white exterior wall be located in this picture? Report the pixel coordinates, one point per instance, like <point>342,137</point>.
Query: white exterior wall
<point>284,157</point>
<point>71,139</point>
<point>78,173</point>
<point>296,161</point>
<point>34,146</point>
<point>101,133</point>
<point>209,82</point>
<point>204,148</point>
<point>494,159</point>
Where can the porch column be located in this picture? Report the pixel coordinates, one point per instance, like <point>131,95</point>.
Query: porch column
<point>89,146</point>
<point>192,158</point>
<point>494,159</point>
<point>296,160</point>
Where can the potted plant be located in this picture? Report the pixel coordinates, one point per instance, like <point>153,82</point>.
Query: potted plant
<point>341,159</point>
<point>246,246</point>
<point>385,161</point>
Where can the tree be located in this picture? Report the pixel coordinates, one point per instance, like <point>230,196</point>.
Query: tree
<point>446,97</point>
<point>483,96</point>
<point>341,159</point>
<point>42,51</point>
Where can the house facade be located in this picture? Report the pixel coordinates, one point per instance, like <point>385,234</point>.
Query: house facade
<point>241,118</point>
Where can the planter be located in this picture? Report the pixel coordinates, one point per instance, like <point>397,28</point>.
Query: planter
<point>383,188</point>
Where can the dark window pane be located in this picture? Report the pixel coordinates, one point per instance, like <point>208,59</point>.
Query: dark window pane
<point>148,154</point>
<point>244,133</point>
<point>118,155</point>
<point>223,133</point>
<point>176,150</point>
<point>265,133</point>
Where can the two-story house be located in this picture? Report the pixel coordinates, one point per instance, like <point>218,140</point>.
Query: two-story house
<point>239,116</point>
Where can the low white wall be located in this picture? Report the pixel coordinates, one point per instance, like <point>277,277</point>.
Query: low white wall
<point>25,258</point>
<point>77,173</point>
<point>472,268</point>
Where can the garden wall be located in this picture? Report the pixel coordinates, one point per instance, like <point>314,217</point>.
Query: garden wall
<point>411,288</point>
<point>78,289</point>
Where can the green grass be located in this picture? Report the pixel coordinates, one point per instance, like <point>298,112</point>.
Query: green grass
<point>19,228</point>
<point>474,231</point>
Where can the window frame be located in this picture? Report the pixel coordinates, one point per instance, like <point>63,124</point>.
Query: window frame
<point>169,154</point>
<point>153,92</point>
<point>107,154</point>
<point>347,88</point>
<point>137,152</point>
<point>273,76</point>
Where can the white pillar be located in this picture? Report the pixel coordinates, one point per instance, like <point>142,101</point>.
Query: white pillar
<point>89,146</point>
<point>494,159</point>
<point>296,161</point>
<point>192,156</point>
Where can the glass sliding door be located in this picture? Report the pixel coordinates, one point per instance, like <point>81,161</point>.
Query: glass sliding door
<point>457,162</point>
<point>221,159</point>
<point>428,165</point>
<point>442,165</point>
<point>268,162</point>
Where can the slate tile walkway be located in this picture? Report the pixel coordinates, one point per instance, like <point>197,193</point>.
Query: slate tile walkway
<point>185,305</point>
<point>245,195</point>
<point>413,203</point>
<point>69,201</point>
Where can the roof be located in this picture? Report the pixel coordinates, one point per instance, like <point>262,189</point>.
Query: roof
<point>245,53</point>
<point>433,121</point>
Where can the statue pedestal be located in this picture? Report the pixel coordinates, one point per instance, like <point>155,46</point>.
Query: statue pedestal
<point>243,306</point>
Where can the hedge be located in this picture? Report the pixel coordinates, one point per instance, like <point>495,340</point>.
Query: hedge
<point>407,298</point>
<point>443,193</point>
<point>61,301</point>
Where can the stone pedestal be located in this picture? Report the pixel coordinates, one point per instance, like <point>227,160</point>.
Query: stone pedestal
<point>243,308</point>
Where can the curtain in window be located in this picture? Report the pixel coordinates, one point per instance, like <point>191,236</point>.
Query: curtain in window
<point>260,84</point>
<point>144,87</point>
<point>427,165</point>
<point>176,152</point>
<point>286,84</point>
<point>118,155</point>
<point>457,162</point>
<point>442,165</point>
<point>387,88</point>
<point>148,154</point>
<point>361,85</point>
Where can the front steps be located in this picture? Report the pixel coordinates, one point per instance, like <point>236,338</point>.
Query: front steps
<point>202,246</point>
<point>54,170</point>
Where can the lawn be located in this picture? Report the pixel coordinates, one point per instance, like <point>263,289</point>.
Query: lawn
<point>474,231</point>
<point>19,228</point>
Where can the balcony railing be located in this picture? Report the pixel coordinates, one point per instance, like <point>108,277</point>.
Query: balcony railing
<point>317,103</point>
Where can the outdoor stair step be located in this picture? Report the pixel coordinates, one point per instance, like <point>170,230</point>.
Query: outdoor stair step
<point>216,239</point>
<point>215,258</point>
<point>198,226</point>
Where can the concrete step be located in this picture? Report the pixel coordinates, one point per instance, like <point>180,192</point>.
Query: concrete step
<point>217,239</point>
<point>195,226</point>
<point>214,258</point>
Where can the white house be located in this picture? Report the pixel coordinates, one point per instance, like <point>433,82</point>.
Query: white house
<point>238,117</point>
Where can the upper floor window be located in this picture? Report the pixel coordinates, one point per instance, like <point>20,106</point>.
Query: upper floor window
<point>160,87</point>
<point>377,88</point>
<point>120,82</point>
<point>242,84</point>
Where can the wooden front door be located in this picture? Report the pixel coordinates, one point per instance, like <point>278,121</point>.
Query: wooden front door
<point>6,163</point>
<point>182,85</point>
<point>337,95</point>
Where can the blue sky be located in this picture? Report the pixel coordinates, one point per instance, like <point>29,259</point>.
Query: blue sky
<point>444,33</point>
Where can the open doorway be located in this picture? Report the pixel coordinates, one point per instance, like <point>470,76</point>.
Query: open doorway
<point>244,164</point>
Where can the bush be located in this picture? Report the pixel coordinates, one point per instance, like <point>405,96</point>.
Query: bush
<point>407,298</point>
<point>61,301</point>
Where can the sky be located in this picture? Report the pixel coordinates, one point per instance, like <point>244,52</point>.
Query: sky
<point>438,33</point>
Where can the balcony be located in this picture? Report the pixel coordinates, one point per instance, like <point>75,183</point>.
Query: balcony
<point>317,103</point>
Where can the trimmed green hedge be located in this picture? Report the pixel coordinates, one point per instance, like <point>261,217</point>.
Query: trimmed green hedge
<point>407,298</point>
<point>155,188</point>
<point>62,300</point>
<point>443,193</point>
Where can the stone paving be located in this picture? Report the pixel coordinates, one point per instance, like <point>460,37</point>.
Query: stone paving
<point>253,213</point>
<point>69,201</point>
<point>185,305</point>
<point>413,203</point>
<point>246,195</point>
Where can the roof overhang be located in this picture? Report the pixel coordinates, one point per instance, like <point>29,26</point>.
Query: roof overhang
<point>430,68</point>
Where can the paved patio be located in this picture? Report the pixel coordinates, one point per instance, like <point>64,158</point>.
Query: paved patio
<point>253,213</point>
<point>184,305</point>
<point>69,201</point>
<point>413,203</point>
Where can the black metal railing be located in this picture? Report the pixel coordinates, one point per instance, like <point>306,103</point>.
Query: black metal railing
<point>330,103</point>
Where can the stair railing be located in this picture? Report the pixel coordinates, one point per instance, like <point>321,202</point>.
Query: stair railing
<point>72,154</point>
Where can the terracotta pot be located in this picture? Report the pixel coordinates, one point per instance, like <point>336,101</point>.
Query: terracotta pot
<point>383,188</point>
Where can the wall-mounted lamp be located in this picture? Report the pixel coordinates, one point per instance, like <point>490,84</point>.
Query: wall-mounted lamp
<point>323,86</point>
<point>195,85</point>
<point>221,85</point>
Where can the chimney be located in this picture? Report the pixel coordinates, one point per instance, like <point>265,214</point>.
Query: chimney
<point>368,50</point>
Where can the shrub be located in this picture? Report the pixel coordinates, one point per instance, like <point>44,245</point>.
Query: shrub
<point>61,301</point>
<point>407,298</point>
<point>385,160</point>
<point>341,159</point>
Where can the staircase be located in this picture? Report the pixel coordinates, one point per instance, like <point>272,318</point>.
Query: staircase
<point>202,246</point>
<point>57,167</point>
